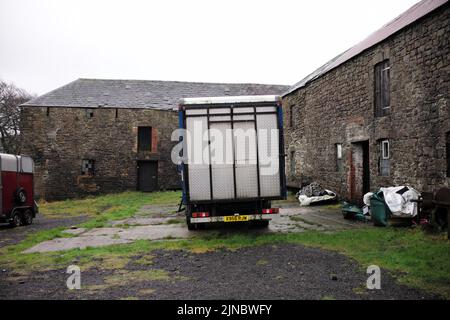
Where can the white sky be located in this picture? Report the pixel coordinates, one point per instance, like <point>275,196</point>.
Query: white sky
<point>45,44</point>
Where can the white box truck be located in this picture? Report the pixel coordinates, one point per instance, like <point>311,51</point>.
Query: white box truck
<point>232,159</point>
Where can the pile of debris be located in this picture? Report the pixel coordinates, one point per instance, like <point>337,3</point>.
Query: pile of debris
<point>314,193</point>
<point>386,203</point>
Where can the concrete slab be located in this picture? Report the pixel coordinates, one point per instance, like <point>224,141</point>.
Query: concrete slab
<point>81,242</point>
<point>151,224</point>
<point>108,236</point>
<point>155,232</point>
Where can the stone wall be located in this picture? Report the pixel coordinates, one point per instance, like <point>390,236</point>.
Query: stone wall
<point>339,108</point>
<point>59,138</point>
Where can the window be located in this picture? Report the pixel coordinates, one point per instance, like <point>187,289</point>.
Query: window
<point>338,157</point>
<point>89,113</point>
<point>88,167</point>
<point>48,111</point>
<point>117,113</point>
<point>382,88</point>
<point>385,158</point>
<point>292,163</point>
<point>447,148</point>
<point>144,138</point>
<point>291,116</point>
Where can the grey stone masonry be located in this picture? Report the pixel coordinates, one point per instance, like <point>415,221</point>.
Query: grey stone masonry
<point>338,108</point>
<point>59,139</point>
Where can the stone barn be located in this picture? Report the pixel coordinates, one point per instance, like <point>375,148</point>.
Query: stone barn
<point>379,113</point>
<point>96,136</point>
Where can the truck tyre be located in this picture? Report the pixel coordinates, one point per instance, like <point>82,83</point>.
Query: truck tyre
<point>191,226</point>
<point>16,219</point>
<point>27,217</point>
<point>20,196</point>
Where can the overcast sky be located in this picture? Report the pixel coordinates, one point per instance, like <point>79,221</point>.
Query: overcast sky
<point>45,44</point>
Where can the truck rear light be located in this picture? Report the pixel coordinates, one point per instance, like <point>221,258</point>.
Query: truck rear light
<point>271,211</point>
<point>200,214</point>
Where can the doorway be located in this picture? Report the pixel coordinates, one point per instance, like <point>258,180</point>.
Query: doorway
<point>147,176</point>
<point>359,180</point>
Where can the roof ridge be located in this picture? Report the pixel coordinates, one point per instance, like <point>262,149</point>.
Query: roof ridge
<point>191,82</point>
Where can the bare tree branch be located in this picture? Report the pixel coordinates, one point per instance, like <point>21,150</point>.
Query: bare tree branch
<point>11,98</point>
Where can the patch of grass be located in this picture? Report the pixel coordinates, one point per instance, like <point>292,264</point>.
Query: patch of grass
<point>125,277</point>
<point>332,206</point>
<point>107,207</point>
<point>176,221</point>
<point>145,260</point>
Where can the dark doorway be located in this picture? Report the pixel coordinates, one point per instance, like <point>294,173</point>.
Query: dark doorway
<point>147,176</point>
<point>359,171</point>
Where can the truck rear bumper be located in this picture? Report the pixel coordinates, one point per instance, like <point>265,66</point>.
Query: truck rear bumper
<point>250,217</point>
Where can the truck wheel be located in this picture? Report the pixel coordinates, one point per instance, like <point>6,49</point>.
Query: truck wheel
<point>191,226</point>
<point>16,220</point>
<point>27,218</point>
<point>21,196</point>
<point>188,210</point>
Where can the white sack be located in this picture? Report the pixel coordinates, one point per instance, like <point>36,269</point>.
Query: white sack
<point>366,198</point>
<point>306,201</point>
<point>400,204</point>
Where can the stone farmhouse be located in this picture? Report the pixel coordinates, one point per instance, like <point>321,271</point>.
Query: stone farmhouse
<point>99,136</point>
<point>377,114</point>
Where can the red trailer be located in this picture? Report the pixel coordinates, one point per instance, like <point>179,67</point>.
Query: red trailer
<point>17,205</point>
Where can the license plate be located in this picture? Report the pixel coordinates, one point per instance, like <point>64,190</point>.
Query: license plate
<point>235,218</point>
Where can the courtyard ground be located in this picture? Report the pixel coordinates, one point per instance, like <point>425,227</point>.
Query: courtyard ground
<point>136,246</point>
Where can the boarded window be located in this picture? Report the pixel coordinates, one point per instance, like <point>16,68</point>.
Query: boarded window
<point>291,116</point>
<point>382,89</point>
<point>385,158</point>
<point>88,167</point>
<point>338,157</point>
<point>145,138</point>
<point>292,163</point>
<point>447,147</point>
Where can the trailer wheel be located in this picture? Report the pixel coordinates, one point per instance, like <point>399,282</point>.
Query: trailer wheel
<point>16,219</point>
<point>21,196</point>
<point>27,217</point>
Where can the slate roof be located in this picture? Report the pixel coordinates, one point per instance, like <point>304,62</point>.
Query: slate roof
<point>408,17</point>
<point>165,95</point>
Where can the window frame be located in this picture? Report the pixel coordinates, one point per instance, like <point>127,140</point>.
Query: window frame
<point>292,164</point>
<point>291,116</point>
<point>447,152</point>
<point>382,88</point>
<point>89,113</point>
<point>140,146</point>
<point>387,155</point>
<point>88,171</point>
<point>339,156</point>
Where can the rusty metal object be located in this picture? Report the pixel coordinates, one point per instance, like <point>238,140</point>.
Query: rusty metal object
<point>436,208</point>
